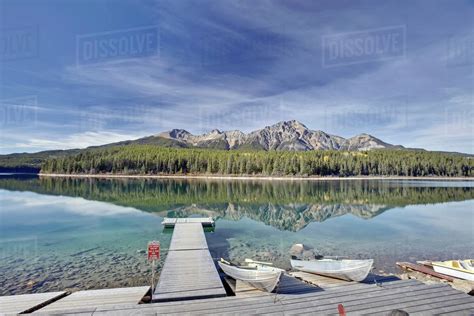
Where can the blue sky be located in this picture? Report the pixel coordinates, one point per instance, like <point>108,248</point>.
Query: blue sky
<point>201,65</point>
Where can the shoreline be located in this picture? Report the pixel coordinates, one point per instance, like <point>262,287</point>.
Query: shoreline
<point>264,178</point>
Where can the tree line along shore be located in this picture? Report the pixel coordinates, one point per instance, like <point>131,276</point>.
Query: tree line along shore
<point>152,160</point>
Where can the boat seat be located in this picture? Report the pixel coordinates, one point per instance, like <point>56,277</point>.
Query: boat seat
<point>317,257</point>
<point>466,266</point>
<point>469,264</point>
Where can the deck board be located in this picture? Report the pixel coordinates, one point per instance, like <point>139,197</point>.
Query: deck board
<point>460,311</point>
<point>16,304</point>
<point>327,305</point>
<point>258,299</point>
<point>188,236</point>
<point>295,299</point>
<point>358,299</point>
<point>420,305</point>
<point>189,271</point>
<point>88,301</point>
<point>231,304</point>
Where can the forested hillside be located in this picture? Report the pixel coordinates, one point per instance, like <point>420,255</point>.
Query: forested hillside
<point>30,162</point>
<point>147,159</point>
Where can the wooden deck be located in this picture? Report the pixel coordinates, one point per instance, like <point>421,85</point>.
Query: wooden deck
<point>89,301</point>
<point>16,304</point>
<point>411,296</point>
<point>189,271</point>
<point>377,295</point>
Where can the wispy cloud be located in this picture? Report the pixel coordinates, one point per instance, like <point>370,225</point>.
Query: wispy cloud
<point>75,140</point>
<point>243,66</point>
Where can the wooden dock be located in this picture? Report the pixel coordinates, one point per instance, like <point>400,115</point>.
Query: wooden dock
<point>388,294</point>
<point>189,271</point>
<point>90,300</point>
<point>308,295</point>
<point>16,304</point>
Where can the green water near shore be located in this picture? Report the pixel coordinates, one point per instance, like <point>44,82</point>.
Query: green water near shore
<point>59,233</point>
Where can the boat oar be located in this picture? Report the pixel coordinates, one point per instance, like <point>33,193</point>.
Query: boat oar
<point>258,262</point>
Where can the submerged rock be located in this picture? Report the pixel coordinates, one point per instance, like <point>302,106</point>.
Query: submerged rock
<point>302,251</point>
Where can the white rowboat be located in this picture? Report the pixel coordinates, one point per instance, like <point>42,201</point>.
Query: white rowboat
<point>262,277</point>
<point>350,270</point>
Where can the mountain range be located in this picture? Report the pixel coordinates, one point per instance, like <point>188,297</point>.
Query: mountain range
<point>286,135</point>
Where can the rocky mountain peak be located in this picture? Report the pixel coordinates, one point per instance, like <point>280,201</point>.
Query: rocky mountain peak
<point>288,125</point>
<point>364,135</point>
<point>215,132</point>
<point>179,134</point>
<point>284,135</point>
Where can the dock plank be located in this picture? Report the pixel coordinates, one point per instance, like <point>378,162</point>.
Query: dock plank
<point>422,297</point>
<point>84,301</point>
<point>327,305</point>
<point>188,236</point>
<point>350,290</point>
<point>358,298</point>
<point>460,311</point>
<point>267,301</point>
<point>189,271</point>
<point>16,304</point>
<point>443,305</point>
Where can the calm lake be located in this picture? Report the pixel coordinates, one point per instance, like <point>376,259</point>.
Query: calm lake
<point>58,233</point>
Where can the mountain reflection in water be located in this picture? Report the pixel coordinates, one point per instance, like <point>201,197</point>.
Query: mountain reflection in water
<point>286,205</point>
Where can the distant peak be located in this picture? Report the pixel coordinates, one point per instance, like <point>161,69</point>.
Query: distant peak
<point>178,132</point>
<point>292,123</point>
<point>365,135</point>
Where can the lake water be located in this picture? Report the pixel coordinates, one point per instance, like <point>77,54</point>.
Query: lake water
<point>58,233</point>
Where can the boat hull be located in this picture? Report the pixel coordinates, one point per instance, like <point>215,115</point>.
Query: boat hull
<point>454,273</point>
<point>264,279</point>
<point>349,270</point>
